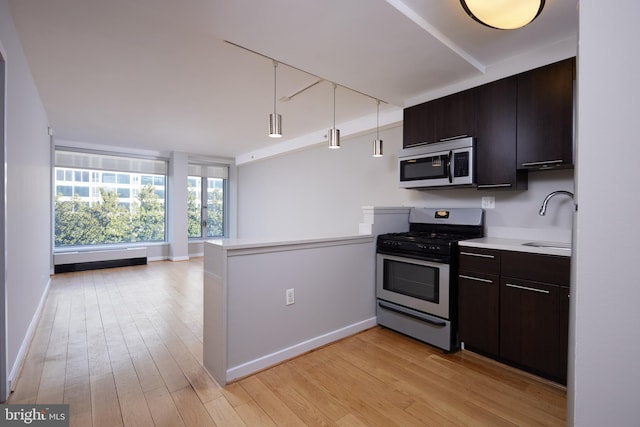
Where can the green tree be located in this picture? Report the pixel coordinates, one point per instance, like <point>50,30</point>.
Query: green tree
<point>75,224</point>
<point>114,219</point>
<point>148,217</point>
<point>194,214</point>
<point>78,223</point>
<point>215,204</point>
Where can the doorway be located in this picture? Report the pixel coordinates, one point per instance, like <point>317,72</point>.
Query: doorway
<point>3,332</point>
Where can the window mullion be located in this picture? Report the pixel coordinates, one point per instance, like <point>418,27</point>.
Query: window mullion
<point>204,206</point>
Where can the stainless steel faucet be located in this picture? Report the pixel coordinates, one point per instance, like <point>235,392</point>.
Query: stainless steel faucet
<point>543,208</point>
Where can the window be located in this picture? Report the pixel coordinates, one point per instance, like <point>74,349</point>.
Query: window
<point>124,193</point>
<point>123,178</point>
<point>81,176</point>
<point>81,191</point>
<point>206,198</point>
<point>102,209</point>
<point>64,190</point>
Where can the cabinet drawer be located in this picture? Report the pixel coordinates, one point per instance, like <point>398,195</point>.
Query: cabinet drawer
<point>537,267</point>
<point>480,260</point>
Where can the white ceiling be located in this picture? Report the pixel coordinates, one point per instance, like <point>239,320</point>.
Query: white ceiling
<point>158,74</point>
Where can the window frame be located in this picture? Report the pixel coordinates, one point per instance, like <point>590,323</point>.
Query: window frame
<point>95,180</point>
<point>204,171</point>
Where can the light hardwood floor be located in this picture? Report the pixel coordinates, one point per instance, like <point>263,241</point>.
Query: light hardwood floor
<point>123,346</point>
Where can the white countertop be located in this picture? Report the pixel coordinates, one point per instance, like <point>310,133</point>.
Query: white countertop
<point>517,245</point>
<point>265,242</point>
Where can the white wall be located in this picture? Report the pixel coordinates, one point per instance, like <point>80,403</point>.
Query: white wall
<point>320,191</point>
<point>604,377</point>
<point>316,191</point>
<point>28,194</point>
<point>177,229</point>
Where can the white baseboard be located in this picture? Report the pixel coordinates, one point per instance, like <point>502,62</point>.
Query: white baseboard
<point>179,258</point>
<point>24,347</point>
<point>273,359</point>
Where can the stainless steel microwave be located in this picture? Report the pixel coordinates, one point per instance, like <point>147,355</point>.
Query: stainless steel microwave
<point>438,165</point>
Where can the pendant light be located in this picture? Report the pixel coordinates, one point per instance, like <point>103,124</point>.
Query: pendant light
<point>275,119</point>
<point>503,14</point>
<point>334,134</point>
<point>377,143</point>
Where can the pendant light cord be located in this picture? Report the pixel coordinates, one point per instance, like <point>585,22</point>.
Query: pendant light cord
<point>275,81</point>
<point>378,119</point>
<point>303,71</point>
<point>334,105</point>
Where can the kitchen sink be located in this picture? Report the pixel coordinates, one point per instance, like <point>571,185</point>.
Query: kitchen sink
<point>550,245</point>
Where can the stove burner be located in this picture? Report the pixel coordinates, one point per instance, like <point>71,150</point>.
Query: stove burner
<point>425,236</point>
<point>435,242</point>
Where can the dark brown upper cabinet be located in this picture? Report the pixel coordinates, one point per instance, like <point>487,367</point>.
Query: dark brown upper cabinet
<point>546,116</point>
<point>418,125</point>
<point>443,118</point>
<point>523,122</point>
<point>496,137</point>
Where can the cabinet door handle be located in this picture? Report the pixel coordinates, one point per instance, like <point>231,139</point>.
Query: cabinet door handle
<point>453,137</point>
<point>478,279</point>
<point>478,255</point>
<point>541,163</point>
<point>480,186</point>
<point>525,288</point>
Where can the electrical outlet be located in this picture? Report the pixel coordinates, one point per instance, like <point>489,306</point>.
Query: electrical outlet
<point>488,202</point>
<point>290,296</point>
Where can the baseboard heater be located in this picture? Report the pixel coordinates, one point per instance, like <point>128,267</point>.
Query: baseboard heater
<point>65,262</point>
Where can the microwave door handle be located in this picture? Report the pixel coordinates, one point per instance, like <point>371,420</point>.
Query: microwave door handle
<point>449,166</point>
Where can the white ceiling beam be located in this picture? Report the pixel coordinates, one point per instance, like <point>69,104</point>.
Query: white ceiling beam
<point>425,25</point>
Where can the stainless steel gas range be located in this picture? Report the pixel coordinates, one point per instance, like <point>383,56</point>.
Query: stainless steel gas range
<point>416,274</point>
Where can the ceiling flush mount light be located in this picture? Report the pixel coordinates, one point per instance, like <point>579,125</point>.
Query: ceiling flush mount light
<point>503,14</point>
<point>275,119</point>
<point>334,134</point>
<point>377,143</point>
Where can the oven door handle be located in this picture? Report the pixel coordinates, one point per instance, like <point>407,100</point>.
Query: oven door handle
<point>412,313</point>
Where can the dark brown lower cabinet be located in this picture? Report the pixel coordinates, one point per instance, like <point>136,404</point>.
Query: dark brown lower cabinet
<point>534,327</point>
<point>514,307</point>
<point>478,308</point>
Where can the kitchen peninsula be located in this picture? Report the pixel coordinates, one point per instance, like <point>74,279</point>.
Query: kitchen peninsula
<point>268,301</point>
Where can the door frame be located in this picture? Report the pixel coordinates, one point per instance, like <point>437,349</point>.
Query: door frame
<point>4,386</point>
